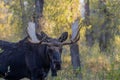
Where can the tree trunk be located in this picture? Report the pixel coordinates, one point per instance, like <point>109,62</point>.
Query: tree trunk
<point>24,21</point>
<point>105,35</point>
<point>87,12</point>
<point>39,10</point>
<point>75,57</point>
<point>89,33</point>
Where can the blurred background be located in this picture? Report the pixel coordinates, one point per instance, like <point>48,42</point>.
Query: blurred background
<point>97,51</point>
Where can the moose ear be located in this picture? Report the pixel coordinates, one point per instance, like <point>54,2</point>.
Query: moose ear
<point>63,37</point>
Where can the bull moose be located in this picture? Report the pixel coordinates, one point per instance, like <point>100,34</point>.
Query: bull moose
<point>14,63</point>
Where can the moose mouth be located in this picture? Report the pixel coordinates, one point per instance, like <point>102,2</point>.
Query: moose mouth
<point>58,66</point>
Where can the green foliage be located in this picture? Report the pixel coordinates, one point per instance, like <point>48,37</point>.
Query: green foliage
<point>15,24</point>
<point>98,17</point>
<point>7,30</point>
<point>59,15</point>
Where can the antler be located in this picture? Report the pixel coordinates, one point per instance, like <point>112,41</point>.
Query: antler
<point>71,41</point>
<point>40,41</point>
<point>60,44</point>
<point>74,38</point>
<point>75,33</point>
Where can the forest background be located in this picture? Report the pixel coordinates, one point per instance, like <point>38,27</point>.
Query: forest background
<point>99,44</point>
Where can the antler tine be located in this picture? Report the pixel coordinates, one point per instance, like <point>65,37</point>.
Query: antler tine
<point>40,42</point>
<point>71,42</point>
<point>42,39</point>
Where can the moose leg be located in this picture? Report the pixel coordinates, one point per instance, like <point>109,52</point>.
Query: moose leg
<point>53,70</point>
<point>32,66</point>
